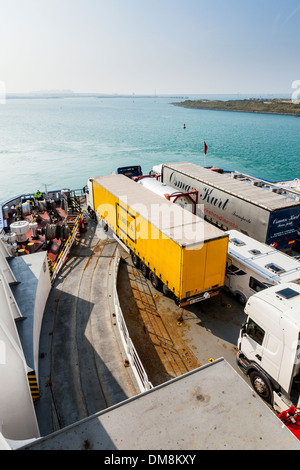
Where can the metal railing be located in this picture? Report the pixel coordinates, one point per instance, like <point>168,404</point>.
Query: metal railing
<point>133,358</point>
<point>49,194</point>
<point>65,250</point>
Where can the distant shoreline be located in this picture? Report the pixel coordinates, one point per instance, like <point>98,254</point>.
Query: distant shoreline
<point>45,95</point>
<point>259,106</point>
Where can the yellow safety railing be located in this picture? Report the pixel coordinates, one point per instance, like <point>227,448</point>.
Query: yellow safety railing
<point>66,248</point>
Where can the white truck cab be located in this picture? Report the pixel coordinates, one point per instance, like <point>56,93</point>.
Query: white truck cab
<point>269,346</point>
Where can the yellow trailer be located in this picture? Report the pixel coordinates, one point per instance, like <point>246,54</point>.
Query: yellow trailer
<point>180,252</point>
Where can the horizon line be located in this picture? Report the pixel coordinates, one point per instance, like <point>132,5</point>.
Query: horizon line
<point>70,93</point>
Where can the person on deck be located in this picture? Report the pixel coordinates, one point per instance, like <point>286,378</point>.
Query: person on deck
<point>38,195</point>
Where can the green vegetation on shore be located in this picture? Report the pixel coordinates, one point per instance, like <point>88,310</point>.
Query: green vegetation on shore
<point>265,106</point>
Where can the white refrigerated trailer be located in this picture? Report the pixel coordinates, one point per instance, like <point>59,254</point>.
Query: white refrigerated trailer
<point>262,214</point>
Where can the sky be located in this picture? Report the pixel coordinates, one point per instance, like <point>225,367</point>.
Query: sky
<point>150,46</point>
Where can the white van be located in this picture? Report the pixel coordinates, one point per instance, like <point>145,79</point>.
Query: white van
<point>253,266</point>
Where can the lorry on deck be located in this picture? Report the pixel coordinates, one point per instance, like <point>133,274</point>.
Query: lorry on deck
<point>253,266</point>
<point>269,345</point>
<point>129,171</point>
<point>182,254</point>
<point>231,204</point>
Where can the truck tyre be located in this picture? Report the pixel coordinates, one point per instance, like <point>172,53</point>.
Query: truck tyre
<point>144,269</point>
<point>167,292</point>
<point>241,299</point>
<point>261,385</point>
<point>155,281</point>
<point>135,260</point>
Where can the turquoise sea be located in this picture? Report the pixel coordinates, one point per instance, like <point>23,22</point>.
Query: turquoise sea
<point>60,143</point>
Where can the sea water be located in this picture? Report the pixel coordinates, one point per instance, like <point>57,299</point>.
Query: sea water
<point>60,143</point>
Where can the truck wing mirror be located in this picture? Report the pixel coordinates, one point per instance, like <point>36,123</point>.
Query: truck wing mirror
<point>244,328</point>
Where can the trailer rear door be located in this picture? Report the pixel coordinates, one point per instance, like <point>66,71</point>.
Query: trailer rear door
<point>283,227</point>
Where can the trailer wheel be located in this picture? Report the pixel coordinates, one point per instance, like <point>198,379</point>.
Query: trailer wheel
<point>167,292</point>
<point>261,385</point>
<point>155,281</point>
<point>135,260</point>
<point>241,299</point>
<point>144,269</point>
